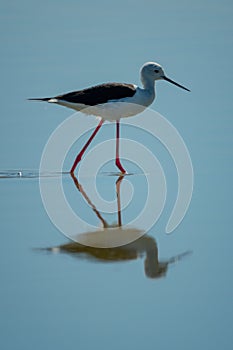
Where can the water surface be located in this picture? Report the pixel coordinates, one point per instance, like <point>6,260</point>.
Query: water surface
<point>164,291</point>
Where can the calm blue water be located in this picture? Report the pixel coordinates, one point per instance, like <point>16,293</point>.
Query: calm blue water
<point>166,290</point>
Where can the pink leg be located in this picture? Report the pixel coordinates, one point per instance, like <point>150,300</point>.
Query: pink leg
<point>118,163</point>
<point>79,156</point>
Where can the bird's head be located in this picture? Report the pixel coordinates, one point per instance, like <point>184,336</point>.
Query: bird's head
<point>152,71</point>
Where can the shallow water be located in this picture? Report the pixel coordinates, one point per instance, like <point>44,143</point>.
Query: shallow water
<point>160,291</point>
<point>55,290</point>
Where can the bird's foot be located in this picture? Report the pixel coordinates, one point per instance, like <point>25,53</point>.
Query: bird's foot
<point>120,167</point>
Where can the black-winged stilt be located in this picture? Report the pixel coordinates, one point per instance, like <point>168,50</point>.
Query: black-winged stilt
<point>113,101</point>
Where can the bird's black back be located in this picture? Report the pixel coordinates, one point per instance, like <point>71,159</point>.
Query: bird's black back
<point>99,94</point>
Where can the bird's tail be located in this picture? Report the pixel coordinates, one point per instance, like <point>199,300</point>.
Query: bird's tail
<point>45,99</point>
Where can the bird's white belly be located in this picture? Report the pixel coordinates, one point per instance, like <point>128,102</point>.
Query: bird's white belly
<point>109,111</point>
<point>115,110</point>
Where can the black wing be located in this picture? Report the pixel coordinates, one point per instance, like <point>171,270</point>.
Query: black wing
<point>99,94</point>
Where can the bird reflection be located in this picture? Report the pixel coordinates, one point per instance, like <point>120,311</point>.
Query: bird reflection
<point>144,247</point>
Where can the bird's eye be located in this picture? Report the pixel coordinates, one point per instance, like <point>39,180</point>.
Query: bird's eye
<point>156,70</point>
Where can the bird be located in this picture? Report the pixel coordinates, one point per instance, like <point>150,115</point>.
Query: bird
<point>113,101</point>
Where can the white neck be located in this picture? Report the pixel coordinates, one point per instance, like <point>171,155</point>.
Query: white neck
<point>148,84</point>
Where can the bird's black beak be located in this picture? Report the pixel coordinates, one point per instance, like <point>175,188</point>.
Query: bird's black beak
<point>173,82</point>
